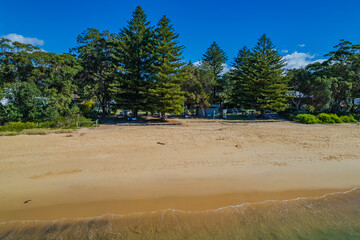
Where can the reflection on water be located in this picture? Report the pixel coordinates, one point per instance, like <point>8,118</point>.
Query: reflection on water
<point>333,216</point>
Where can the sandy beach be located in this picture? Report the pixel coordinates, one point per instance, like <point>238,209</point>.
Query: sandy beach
<point>197,166</point>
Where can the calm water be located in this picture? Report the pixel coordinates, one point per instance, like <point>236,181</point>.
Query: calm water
<point>333,216</point>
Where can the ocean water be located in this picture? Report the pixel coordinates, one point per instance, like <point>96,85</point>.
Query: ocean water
<point>332,216</point>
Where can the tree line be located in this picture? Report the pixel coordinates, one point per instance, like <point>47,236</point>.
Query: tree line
<point>141,68</point>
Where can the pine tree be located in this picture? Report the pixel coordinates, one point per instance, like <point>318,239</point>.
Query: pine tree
<point>215,58</point>
<point>267,85</point>
<point>239,76</point>
<point>166,90</point>
<point>134,59</point>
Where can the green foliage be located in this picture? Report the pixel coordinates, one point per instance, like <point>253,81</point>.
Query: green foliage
<point>134,56</point>
<point>329,118</point>
<point>214,60</point>
<point>38,85</point>
<point>197,86</point>
<point>330,86</point>
<point>325,118</point>
<point>307,119</point>
<point>240,94</point>
<point>348,119</point>
<point>166,89</point>
<point>88,110</point>
<point>259,78</point>
<point>17,126</point>
<point>94,52</point>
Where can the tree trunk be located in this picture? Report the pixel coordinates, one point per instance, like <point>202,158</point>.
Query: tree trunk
<point>352,105</point>
<point>263,113</point>
<point>163,117</point>
<point>135,113</point>
<point>104,109</point>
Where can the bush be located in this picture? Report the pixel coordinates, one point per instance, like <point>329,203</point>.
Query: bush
<point>329,118</point>
<point>61,122</point>
<point>17,126</point>
<point>348,119</point>
<point>307,119</point>
<point>85,122</point>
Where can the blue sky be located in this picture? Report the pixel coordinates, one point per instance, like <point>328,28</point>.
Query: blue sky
<point>303,31</point>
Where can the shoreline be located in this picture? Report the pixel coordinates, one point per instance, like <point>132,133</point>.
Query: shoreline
<point>189,205</point>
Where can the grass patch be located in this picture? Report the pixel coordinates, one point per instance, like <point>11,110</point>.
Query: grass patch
<point>8,134</point>
<point>34,131</point>
<point>64,131</point>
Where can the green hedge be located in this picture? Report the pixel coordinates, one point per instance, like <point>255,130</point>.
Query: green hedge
<point>329,118</point>
<point>307,119</point>
<point>325,118</point>
<point>348,119</point>
<point>17,126</point>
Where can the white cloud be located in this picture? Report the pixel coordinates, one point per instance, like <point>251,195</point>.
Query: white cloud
<point>196,64</point>
<point>19,38</point>
<point>225,66</point>
<point>299,60</point>
<point>285,51</point>
<point>301,45</point>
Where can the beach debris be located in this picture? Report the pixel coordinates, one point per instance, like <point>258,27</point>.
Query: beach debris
<point>160,143</point>
<point>27,201</point>
<point>69,135</point>
<point>237,146</point>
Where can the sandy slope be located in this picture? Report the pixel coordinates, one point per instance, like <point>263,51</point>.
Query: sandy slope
<point>115,169</point>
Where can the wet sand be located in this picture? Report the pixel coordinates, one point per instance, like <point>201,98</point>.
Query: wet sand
<point>203,165</point>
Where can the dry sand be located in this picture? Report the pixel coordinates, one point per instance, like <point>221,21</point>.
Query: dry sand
<point>203,165</point>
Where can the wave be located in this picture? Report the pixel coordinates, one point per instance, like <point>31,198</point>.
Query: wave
<point>331,216</point>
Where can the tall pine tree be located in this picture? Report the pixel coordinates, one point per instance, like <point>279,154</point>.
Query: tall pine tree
<point>266,83</point>
<point>166,89</point>
<point>239,75</point>
<point>134,60</point>
<point>214,59</point>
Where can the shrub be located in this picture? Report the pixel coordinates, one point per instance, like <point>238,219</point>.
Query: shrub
<point>17,126</point>
<point>30,125</point>
<point>85,122</point>
<point>329,118</point>
<point>307,119</point>
<point>348,119</point>
<point>46,124</point>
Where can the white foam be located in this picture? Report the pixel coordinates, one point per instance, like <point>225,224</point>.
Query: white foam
<point>180,211</point>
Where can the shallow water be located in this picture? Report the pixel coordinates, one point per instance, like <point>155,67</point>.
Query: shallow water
<point>332,216</point>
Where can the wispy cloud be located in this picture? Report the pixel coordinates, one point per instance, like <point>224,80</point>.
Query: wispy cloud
<point>225,66</point>
<point>284,51</point>
<point>198,63</point>
<point>299,60</point>
<point>301,45</point>
<point>27,40</point>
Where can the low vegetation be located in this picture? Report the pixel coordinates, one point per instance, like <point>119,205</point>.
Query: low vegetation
<point>325,118</point>
<point>61,125</point>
